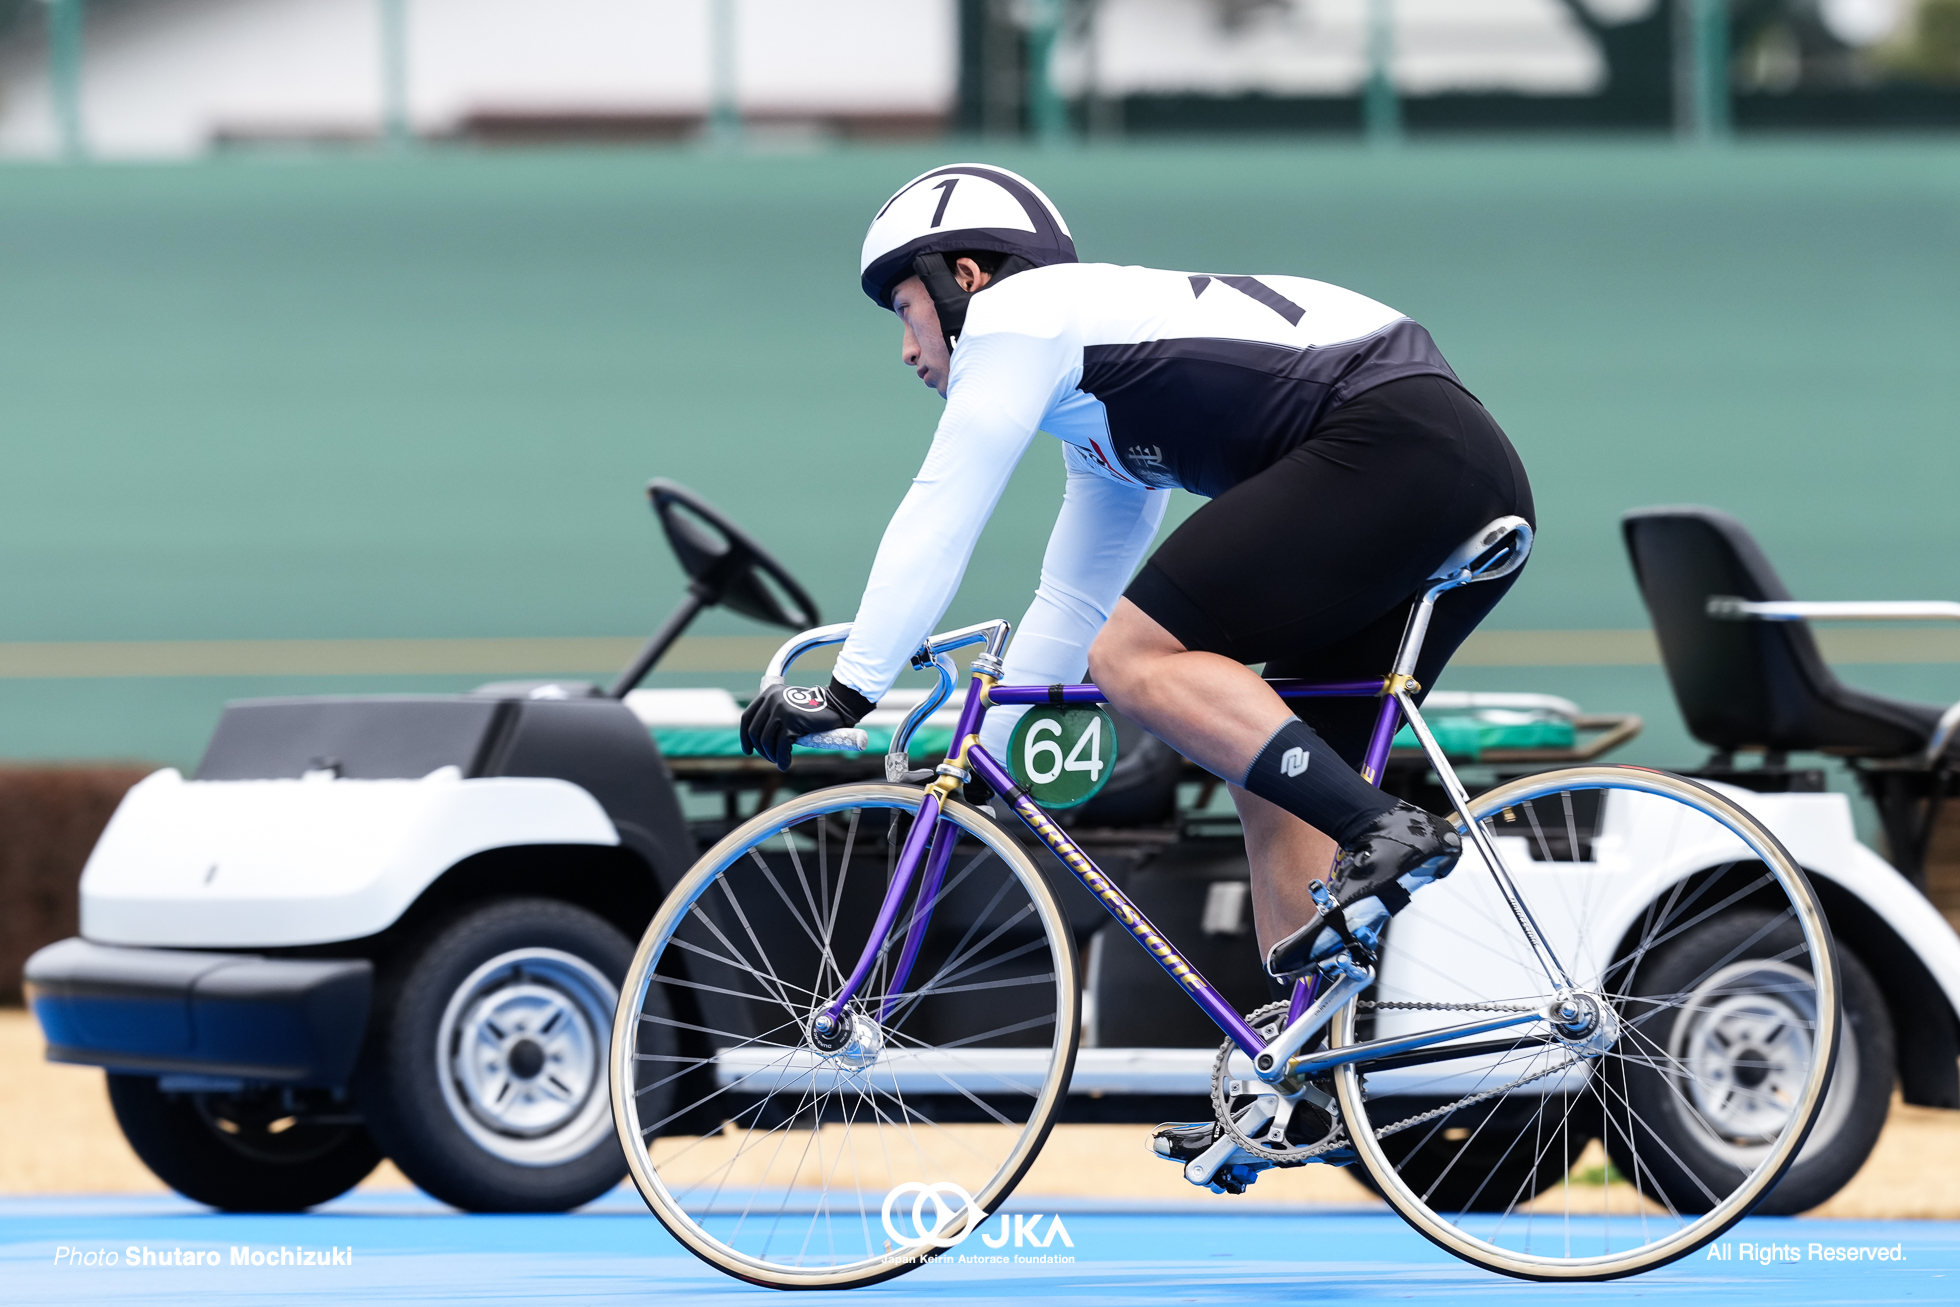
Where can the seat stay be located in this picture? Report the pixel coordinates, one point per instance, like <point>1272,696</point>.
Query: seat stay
<point>1554,970</point>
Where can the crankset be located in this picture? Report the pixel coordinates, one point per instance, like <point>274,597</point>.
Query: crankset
<point>1261,1125</point>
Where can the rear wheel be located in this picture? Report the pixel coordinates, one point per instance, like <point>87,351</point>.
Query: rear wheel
<point>269,1150</point>
<point>1680,922</point>
<point>827,1163</point>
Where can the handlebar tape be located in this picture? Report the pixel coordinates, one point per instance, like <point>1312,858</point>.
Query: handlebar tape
<point>850,740</point>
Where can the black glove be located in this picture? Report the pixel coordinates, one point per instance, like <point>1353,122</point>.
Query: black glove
<point>780,716</point>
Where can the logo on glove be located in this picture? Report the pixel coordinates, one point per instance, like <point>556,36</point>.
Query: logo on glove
<point>804,698</point>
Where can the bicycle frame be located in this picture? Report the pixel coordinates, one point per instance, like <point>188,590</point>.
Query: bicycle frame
<point>1313,1002</point>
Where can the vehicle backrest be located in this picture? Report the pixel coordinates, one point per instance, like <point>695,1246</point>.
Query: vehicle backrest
<point>1740,684</point>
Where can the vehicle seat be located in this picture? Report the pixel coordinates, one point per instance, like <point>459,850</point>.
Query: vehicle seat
<point>1752,684</point>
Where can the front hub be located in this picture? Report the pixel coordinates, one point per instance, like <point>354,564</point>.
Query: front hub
<point>852,1040</point>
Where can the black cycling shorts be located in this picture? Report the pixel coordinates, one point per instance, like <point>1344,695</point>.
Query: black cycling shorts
<point>1311,566</point>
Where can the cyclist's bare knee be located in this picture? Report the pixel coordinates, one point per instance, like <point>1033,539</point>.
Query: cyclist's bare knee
<point>1121,659</point>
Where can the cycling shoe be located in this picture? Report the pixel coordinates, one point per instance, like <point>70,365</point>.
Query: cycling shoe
<point>1397,854</point>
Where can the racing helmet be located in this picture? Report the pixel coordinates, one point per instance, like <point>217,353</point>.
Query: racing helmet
<point>962,206</point>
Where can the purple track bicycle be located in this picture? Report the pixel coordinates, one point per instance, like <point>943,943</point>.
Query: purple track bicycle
<point>1593,1048</point>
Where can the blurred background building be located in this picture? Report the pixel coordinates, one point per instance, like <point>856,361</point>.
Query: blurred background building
<point>176,77</point>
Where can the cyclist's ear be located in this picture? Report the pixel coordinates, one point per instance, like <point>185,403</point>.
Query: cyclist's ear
<point>970,276</point>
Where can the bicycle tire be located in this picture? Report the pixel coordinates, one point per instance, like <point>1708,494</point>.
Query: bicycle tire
<point>1014,955</point>
<point>1644,1101</point>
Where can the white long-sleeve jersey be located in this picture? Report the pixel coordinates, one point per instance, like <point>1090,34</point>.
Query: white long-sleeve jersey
<point>1151,380</point>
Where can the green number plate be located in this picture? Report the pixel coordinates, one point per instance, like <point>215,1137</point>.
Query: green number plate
<point>1063,756</point>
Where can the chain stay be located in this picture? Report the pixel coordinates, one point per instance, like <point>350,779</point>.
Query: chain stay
<point>1337,1138</point>
<point>1445,1006</point>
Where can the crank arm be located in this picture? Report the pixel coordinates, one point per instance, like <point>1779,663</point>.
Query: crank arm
<point>1271,1063</point>
<point>1320,1063</point>
<point>1201,1169</point>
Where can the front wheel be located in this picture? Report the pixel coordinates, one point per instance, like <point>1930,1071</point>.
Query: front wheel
<point>829,1163</point>
<point>1614,1124</point>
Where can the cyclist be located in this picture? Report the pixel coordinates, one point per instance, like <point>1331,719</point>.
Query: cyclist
<point>1342,458</point>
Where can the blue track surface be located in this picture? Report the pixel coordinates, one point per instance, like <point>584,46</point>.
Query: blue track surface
<point>408,1250</point>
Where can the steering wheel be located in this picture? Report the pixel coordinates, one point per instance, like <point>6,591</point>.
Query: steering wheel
<point>723,565</point>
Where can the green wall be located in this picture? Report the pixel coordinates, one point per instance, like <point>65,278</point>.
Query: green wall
<point>263,398</point>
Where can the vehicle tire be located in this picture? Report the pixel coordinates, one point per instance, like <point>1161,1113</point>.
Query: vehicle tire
<point>484,1073</point>
<point>244,1152</point>
<point>1732,1052</point>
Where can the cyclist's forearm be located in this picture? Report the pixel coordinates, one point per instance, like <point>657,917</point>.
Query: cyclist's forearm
<point>920,563</point>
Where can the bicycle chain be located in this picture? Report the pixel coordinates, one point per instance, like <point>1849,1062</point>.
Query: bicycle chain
<point>1337,1137</point>
<point>1447,1108</point>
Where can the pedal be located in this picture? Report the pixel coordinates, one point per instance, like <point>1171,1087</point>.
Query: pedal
<point>1225,1167</point>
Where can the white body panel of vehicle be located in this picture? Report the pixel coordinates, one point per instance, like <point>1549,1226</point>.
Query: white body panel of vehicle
<point>277,863</point>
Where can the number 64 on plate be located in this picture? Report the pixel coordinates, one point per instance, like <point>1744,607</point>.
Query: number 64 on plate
<point>1063,755</point>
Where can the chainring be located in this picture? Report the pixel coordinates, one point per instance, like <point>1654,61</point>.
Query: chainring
<point>1267,1021</point>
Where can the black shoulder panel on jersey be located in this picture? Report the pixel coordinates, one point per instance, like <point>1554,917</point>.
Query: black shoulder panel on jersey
<point>1254,289</point>
<point>1205,413</point>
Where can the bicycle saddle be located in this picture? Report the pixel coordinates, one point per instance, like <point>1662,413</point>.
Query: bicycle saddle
<point>1497,549</point>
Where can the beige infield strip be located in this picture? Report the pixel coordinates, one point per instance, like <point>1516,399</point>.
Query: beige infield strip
<point>563,655</point>
<point>57,1135</point>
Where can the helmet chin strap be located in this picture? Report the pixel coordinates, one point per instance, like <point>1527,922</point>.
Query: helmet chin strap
<point>948,298</point>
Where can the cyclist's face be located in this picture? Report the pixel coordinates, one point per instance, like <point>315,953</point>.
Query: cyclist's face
<point>923,345</point>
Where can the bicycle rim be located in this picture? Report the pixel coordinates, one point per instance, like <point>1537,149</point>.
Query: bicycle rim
<point>1708,1018</point>
<point>792,1167</point>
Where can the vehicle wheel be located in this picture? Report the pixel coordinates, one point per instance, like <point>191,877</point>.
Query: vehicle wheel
<point>484,1076</point>
<point>1739,1041</point>
<point>268,1151</point>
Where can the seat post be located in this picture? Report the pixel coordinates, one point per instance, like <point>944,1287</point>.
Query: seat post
<point>1417,630</point>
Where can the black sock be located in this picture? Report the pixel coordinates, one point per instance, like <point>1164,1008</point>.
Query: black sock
<point>1301,773</point>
